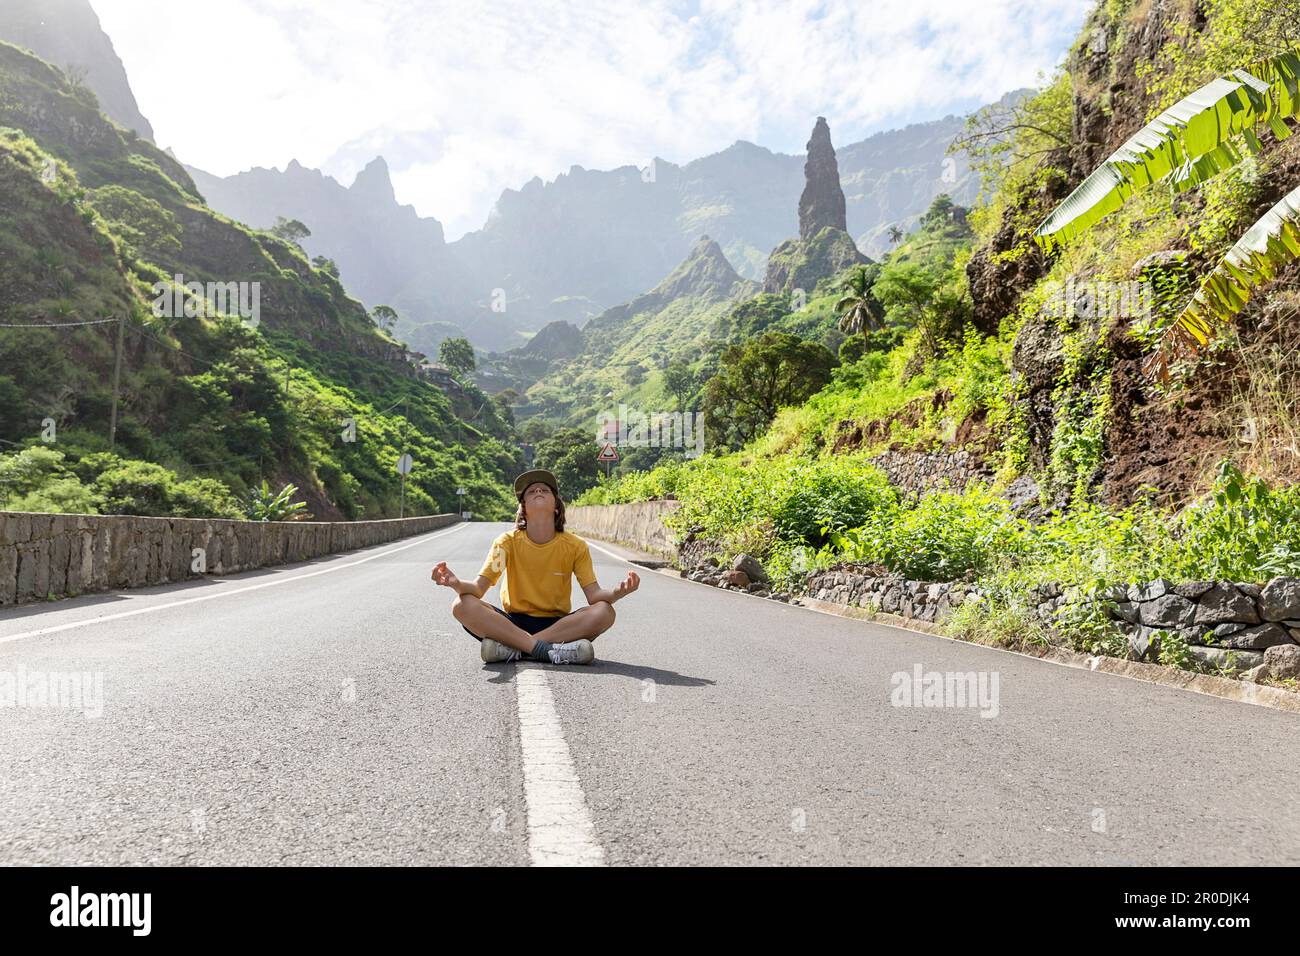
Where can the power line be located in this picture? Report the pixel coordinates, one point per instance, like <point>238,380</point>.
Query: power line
<point>55,325</point>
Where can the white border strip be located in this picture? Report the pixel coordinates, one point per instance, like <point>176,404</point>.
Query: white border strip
<point>560,830</point>
<point>54,629</point>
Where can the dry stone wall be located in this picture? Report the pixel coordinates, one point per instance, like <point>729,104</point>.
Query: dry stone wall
<point>1224,624</point>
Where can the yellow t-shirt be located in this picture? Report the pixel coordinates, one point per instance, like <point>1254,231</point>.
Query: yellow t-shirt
<point>537,575</point>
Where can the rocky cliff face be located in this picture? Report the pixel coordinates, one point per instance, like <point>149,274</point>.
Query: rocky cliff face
<point>376,242</point>
<point>1065,365</point>
<point>67,34</point>
<point>822,203</point>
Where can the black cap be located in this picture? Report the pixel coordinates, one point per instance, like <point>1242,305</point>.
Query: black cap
<point>537,474</point>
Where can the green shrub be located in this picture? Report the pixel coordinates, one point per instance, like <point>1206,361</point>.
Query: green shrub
<point>35,479</point>
<point>813,499</point>
<point>996,624</point>
<point>945,537</point>
<point>1244,531</point>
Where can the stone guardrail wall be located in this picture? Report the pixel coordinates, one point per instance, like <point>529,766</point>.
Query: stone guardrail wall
<point>1252,623</point>
<point>638,525</point>
<point>57,555</point>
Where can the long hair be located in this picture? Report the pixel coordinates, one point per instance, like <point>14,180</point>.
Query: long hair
<point>521,520</point>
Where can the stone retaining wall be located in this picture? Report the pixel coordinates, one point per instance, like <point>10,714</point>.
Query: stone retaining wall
<point>638,525</point>
<point>1215,618</point>
<point>918,472</point>
<point>52,555</point>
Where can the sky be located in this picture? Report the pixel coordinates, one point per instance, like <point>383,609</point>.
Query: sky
<point>465,98</point>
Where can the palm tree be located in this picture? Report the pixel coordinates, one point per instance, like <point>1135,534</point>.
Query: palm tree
<point>859,310</point>
<point>895,235</point>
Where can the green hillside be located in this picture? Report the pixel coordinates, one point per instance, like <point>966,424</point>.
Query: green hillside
<point>91,217</point>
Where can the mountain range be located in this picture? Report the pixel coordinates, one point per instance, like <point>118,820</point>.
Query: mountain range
<point>565,249</point>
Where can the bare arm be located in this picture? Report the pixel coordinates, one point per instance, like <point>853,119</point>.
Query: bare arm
<point>595,592</point>
<point>443,575</point>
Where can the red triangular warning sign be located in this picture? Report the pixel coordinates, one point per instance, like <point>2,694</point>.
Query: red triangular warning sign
<point>608,453</point>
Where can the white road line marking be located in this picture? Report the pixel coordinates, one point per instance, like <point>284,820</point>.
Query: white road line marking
<point>560,831</point>
<point>617,557</point>
<point>224,593</point>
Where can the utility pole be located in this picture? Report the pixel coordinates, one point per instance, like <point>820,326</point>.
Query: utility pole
<point>406,424</point>
<point>287,369</point>
<point>117,379</point>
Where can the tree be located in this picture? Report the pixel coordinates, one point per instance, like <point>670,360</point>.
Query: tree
<point>859,309</point>
<point>895,235</point>
<point>755,380</point>
<point>325,265</point>
<point>940,211</point>
<point>679,382</point>
<point>1019,131</point>
<point>926,300</point>
<point>385,317</point>
<point>458,355</point>
<point>571,456</point>
<point>504,401</point>
<point>290,230</point>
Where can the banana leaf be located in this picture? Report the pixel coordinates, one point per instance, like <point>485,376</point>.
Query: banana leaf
<point>1195,139</point>
<point>1270,244</point>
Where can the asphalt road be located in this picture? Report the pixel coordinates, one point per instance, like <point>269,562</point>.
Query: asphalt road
<point>334,713</point>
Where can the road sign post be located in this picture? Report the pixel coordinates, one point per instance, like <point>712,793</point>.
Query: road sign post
<point>404,466</point>
<point>608,454</point>
<point>460,501</point>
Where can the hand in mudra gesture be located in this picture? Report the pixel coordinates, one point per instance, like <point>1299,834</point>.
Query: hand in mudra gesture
<point>443,575</point>
<point>627,586</point>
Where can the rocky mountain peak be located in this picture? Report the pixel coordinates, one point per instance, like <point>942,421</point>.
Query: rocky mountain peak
<point>822,202</point>
<point>705,272</point>
<point>374,183</point>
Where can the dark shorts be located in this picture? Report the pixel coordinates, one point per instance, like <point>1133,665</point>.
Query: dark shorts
<point>531,623</point>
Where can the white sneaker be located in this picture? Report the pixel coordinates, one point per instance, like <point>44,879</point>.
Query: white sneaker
<point>574,652</point>
<point>494,652</point>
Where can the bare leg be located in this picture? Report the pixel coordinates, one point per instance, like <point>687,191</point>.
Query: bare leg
<point>592,620</point>
<point>485,622</point>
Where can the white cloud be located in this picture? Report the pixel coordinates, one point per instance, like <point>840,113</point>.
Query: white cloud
<point>466,100</point>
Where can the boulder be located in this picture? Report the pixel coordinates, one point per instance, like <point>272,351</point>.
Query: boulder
<point>752,569</point>
<point>736,579</point>
<point>1257,674</point>
<point>1234,660</point>
<point>1143,643</point>
<point>1168,610</point>
<point>1227,630</point>
<point>1280,599</point>
<point>1127,611</point>
<point>1257,638</point>
<point>1149,592</point>
<point>1192,589</point>
<point>1222,604</point>
<point>1283,660</point>
<point>1022,493</point>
